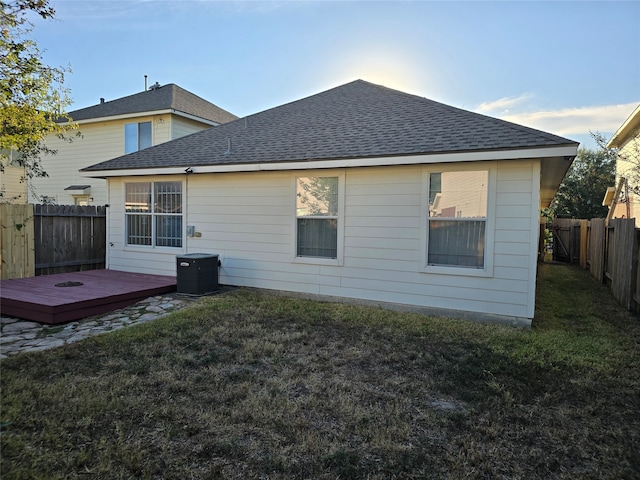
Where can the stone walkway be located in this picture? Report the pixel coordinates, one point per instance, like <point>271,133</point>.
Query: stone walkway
<point>17,335</point>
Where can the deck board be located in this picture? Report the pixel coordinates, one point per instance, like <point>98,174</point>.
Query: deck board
<point>38,298</point>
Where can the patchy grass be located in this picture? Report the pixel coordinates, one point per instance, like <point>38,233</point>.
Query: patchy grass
<point>250,385</point>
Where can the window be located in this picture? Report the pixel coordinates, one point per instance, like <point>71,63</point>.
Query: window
<point>153,213</point>
<point>457,218</point>
<point>137,136</point>
<point>81,200</point>
<point>317,217</point>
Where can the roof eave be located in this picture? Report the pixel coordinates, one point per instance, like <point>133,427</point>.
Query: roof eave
<point>127,116</point>
<point>625,130</point>
<point>567,151</point>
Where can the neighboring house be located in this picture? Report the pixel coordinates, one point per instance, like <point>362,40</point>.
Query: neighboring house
<point>627,141</point>
<point>111,129</point>
<point>361,192</point>
<point>13,187</point>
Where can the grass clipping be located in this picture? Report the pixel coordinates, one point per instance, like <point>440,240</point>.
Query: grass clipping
<point>251,385</point>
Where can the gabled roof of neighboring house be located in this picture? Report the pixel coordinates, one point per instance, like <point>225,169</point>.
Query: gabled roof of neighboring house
<point>356,120</point>
<point>627,130</point>
<point>162,98</point>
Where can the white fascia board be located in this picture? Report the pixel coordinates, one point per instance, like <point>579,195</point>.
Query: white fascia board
<point>128,116</point>
<point>619,137</point>
<point>560,151</point>
<point>134,172</point>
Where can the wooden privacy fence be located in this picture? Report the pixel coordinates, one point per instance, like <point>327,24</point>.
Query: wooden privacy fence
<point>610,253</point>
<point>45,239</point>
<point>69,238</point>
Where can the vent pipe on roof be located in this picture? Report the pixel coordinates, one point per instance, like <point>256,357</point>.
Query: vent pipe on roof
<point>146,83</point>
<point>228,146</point>
<point>101,100</point>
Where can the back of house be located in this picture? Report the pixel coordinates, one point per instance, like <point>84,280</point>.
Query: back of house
<point>360,192</point>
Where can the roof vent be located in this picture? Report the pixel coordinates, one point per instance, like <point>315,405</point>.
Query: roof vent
<point>101,100</point>
<point>228,146</point>
<point>155,86</point>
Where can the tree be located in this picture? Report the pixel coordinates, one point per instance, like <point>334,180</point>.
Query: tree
<point>33,98</point>
<point>581,192</point>
<point>629,156</point>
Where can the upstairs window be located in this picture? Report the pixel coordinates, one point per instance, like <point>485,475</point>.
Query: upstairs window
<point>317,217</point>
<point>153,212</point>
<point>137,136</point>
<point>456,223</point>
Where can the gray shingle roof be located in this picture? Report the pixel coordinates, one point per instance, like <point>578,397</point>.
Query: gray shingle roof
<point>356,120</point>
<point>166,97</point>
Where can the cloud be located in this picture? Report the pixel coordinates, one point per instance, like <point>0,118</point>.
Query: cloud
<point>576,121</point>
<point>502,104</point>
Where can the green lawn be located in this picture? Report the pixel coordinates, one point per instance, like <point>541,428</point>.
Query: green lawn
<point>250,385</point>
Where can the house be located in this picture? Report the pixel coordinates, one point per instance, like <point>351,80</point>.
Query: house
<point>361,192</point>
<point>113,128</point>
<point>13,188</point>
<point>627,141</point>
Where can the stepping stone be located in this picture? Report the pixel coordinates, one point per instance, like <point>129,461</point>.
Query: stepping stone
<point>19,326</point>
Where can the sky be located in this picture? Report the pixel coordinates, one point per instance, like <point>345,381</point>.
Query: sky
<point>565,67</point>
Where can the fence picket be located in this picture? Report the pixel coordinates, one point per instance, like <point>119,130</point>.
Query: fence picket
<point>624,266</point>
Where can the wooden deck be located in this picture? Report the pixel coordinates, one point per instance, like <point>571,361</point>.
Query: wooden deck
<point>46,299</point>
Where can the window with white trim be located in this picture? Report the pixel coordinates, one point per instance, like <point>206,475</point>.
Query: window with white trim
<point>457,218</point>
<point>137,136</point>
<point>153,213</point>
<point>317,217</point>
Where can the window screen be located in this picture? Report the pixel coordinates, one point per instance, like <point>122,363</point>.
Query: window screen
<point>317,217</point>
<point>457,218</point>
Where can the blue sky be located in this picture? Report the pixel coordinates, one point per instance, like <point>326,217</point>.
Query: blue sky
<point>564,67</point>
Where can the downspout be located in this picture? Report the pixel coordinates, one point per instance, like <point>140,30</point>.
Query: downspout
<point>626,196</point>
<point>188,171</point>
<point>108,244</point>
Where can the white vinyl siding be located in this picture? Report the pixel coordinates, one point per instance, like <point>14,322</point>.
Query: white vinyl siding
<point>247,218</point>
<point>12,185</point>
<point>183,126</point>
